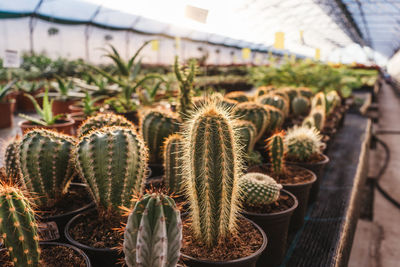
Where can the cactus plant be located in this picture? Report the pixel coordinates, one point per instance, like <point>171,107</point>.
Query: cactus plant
<point>153,233</point>
<point>332,101</point>
<point>259,189</point>
<point>276,101</point>
<point>308,122</point>
<point>247,135</point>
<point>276,148</point>
<point>306,92</point>
<point>101,120</point>
<point>46,164</point>
<point>212,166</point>
<point>186,83</point>
<point>276,119</point>
<point>318,114</point>
<point>300,105</point>
<point>173,156</point>
<point>155,126</point>
<point>113,162</point>
<point>11,158</point>
<point>18,228</point>
<point>239,96</point>
<point>263,90</point>
<point>254,113</point>
<point>302,143</point>
<point>319,100</point>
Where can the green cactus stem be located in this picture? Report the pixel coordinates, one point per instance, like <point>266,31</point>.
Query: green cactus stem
<point>259,189</point>
<point>332,101</point>
<point>173,157</point>
<point>11,158</point>
<point>300,105</point>
<point>306,92</point>
<point>247,135</point>
<point>276,119</point>
<point>276,149</point>
<point>319,100</point>
<point>302,143</point>
<point>239,96</point>
<point>275,100</point>
<point>101,120</point>
<point>263,90</point>
<point>153,233</point>
<point>186,82</point>
<point>318,115</point>
<point>254,113</point>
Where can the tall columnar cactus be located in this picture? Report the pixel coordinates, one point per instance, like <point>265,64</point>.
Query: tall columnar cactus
<point>276,119</point>
<point>186,83</point>
<point>46,164</point>
<point>247,135</point>
<point>300,105</point>
<point>153,233</point>
<point>113,162</point>
<point>318,114</point>
<point>239,96</point>
<point>276,148</point>
<point>212,166</point>
<point>173,157</point>
<point>302,143</point>
<point>11,158</point>
<point>276,101</point>
<point>101,120</point>
<point>259,189</point>
<point>254,113</point>
<point>156,125</point>
<point>18,228</point>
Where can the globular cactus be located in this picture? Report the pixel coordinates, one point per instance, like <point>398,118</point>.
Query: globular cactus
<point>276,101</point>
<point>308,122</point>
<point>101,120</point>
<point>46,164</point>
<point>173,157</point>
<point>254,113</point>
<point>276,119</point>
<point>332,101</point>
<point>212,166</point>
<point>153,233</point>
<point>318,115</point>
<point>306,92</point>
<point>247,135</point>
<point>11,158</point>
<point>276,149</point>
<point>186,83</point>
<point>155,126</point>
<point>290,92</point>
<point>263,90</point>
<point>113,163</point>
<point>302,143</point>
<point>259,189</point>
<point>18,228</point>
<point>300,105</point>
<point>319,100</point>
<point>238,96</point>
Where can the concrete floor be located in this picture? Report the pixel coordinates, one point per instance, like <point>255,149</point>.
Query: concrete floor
<point>377,242</point>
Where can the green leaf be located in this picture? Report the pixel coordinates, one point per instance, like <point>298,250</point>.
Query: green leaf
<point>32,119</point>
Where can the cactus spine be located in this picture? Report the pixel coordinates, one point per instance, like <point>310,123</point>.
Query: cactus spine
<point>153,233</point>
<point>155,126</point>
<point>259,189</point>
<point>300,105</point>
<point>173,157</point>
<point>101,120</point>
<point>18,228</point>
<point>238,96</point>
<point>212,166</point>
<point>11,158</point>
<point>254,113</point>
<point>276,150</point>
<point>113,162</point>
<point>186,82</point>
<point>46,164</point>
<point>302,143</point>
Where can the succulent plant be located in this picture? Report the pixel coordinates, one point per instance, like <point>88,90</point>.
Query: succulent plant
<point>276,148</point>
<point>153,233</point>
<point>173,157</point>
<point>46,164</point>
<point>254,113</point>
<point>300,105</point>
<point>259,189</point>
<point>239,96</point>
<point>318,114</point>
<point>263,90</point>
<point>308,122</point>
<point>276,119</point>
<point>319,100</point>
<point>11,158</point>
<point>113,162</point>
<point>18,228</point>
<point>290,92</point>
<point>306,92</point>
<point>247,135</point>
<point>332,101</point>
<point>302,143</point>
<point>186,83</point>
<point>276,101</point>
<point>212,166</point>
<point>155,126</point>
<point>101,120</point>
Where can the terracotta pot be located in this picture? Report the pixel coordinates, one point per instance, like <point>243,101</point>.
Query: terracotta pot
<point>62,107</point>
<point>66,127</point>
<point>6,115</point>
<point>75,108</point>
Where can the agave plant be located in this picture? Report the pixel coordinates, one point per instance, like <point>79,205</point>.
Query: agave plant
<point>29,87</point>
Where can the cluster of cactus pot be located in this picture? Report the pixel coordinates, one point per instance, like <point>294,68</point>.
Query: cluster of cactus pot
<point>254,113</point>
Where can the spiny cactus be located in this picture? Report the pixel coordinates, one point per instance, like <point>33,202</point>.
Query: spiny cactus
<point>18,228</point>
<point>318,114</point>
<point>319,100</point>
<point>153,233</point>
<point>173,156</point>
<point>263,90</point>
<point>254,113</point>
<point>212,166</point>
<point>306,92</point>
<point>155,126</point>
<point>113,162</point>
<point>46,164</point>
<point>101,120</point>
<point>300,105</point>
<point>11,158</point>
<point>259,189</point>
<point>276,148</point>
<point>290,92</point>
<point>332,101</point>
<point>276,119</point>
<point>247,134</point>
<point>186,83</point>
<point>276,101</point>
<point>302,143</point>
<point>239,96</point>
<point>308,122</point>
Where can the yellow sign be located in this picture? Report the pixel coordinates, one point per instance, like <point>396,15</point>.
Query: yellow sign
<point>155,45</point>
<point>177,42</point>
<point>317,53</point>
<point>246,52</point>
<point>279,40</point>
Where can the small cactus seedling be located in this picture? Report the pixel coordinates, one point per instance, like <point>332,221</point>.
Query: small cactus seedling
<point>153,233</point>
<point>18,228</point>
<point>11,158</point>
<point>254,113</point>
<point>276,101</point>
<point>113,162</point>
<point>46,164</point>
<point>302,143</point>
<point>276,148</point>
<point>247,135</point>
<point>318,114</point>
<point>186,83</point>
<point>156,125</point>
<point>300,105</point>
<point>239,96</point>
<point>259,189</point>
<point>173,162</point>
<point>212,166</point>
<point>101,120</point>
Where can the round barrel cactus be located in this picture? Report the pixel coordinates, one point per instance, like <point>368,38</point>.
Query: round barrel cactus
<point>238,96</point>
<point>173,157</point>
<point>306,92</point>
<point>276,119</point>
<point>254,113</point>
<point>302,143</point>
<point>11,158</point>
<point>300,105</point>
<point>101,120</point>
<point>259,189</point>
<point>247,135</point>
<point>275,100</point>
<point>318,115</point>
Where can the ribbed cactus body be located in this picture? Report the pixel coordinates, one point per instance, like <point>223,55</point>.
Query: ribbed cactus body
<point>239,96</point>
<point>276,101</point>
<point>18,228</point>
<point>318,115</point>
<point>101,120</point>
<point>46,164</point>
<point>212,164</point>
<point>11,159</point>
<point>259,189</point>
<point>300,105</point>
<point>276,150</point>
<point>276,119</point>
<point>306,92</point>
<point>113,162</point>
<point>319,100</point>
<point>156,126</point>
<point>290,92</point>
<point>263,90</point>
<point>247,134</point>
<point>302,143</point>
<point>173,162</point>
<point>332,101</point>
<point>153,233</point>
<point>254,113</point>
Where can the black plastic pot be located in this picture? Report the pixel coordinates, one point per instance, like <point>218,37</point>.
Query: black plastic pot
<point>318,168</point>
<point>51,228</point>
<point>276,227</point>
<point>100,257</point>
<point>156,169</point>
<point>249,261</point>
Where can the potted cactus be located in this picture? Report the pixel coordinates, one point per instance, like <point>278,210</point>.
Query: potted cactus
<point>6,105</point>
